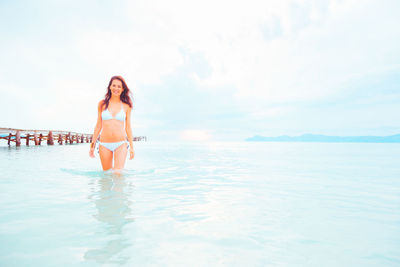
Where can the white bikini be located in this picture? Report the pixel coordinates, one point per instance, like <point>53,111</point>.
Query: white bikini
<point>106,115</point>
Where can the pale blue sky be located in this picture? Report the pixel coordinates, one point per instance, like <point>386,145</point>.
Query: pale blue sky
<point>204,70</point>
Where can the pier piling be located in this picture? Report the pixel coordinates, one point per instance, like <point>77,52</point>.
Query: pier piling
<point>50,140</point>
<point>18,138</point>
<point>35,138</point>
<point>27,139</point>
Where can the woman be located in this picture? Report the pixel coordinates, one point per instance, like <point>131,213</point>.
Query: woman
<point>113,111</point>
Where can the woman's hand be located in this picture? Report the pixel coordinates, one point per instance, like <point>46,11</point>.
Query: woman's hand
<point>131,153</point>
<point>91,151</point>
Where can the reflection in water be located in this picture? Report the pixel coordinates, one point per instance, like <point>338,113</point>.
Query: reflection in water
<point>111,194</point>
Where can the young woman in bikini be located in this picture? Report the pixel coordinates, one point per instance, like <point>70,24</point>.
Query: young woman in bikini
<point>113,111</point>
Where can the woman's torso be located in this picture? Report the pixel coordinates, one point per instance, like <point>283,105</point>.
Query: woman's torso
<point>113,123</point>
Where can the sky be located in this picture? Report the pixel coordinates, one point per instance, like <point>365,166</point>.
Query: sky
<point>204,70</point>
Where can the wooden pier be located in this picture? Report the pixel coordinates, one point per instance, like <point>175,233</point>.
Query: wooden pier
<point>48,136</point>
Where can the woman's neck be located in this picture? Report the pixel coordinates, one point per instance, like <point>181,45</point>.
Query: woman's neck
<point>115,99</point>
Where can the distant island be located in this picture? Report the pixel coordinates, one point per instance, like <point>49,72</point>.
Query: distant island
<point>327,139</point>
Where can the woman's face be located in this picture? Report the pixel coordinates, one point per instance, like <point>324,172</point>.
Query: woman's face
<point>116,87</point>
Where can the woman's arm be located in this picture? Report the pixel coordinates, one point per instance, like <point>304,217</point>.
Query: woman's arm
<point>98,126</point>
<point>128,130</point>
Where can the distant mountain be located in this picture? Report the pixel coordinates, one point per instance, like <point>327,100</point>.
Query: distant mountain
<point>327,139</point>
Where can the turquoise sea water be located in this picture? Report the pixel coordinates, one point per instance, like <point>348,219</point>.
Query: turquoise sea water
<point>205,204</point>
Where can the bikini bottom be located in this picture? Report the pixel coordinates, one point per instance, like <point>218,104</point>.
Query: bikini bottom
<point>114,145</point>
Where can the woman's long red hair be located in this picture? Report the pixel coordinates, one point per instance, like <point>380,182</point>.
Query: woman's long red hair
<point>126,95</point>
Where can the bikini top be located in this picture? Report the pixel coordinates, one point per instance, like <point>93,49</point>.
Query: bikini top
<point>106,115</point>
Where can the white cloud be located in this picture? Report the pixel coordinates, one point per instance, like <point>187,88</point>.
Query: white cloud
<point>304,62</point>
<point>133,54</point>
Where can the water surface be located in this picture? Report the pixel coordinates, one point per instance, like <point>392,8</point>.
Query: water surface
<point>211,204</point>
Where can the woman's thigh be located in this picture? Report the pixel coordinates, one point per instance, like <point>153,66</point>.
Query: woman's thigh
<point>106,157</point>
<point>120,156</point>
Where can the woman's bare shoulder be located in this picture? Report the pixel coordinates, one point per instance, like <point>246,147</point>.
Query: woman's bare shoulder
<point>100,104</point>
<point>126,106</point>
